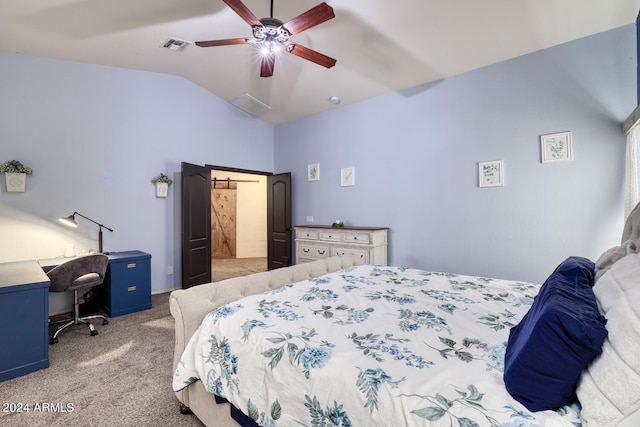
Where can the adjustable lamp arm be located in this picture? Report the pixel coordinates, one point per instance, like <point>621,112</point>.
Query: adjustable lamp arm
<point>95,222</point>
<point>70,220</point>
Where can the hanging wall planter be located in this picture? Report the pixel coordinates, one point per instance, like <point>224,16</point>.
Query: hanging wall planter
<point>162,183</point>
<point>16,182</point>
<point>15,175</point>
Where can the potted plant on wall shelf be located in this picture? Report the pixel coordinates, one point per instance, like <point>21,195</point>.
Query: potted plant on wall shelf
<point>16,175</point>
<point>162,183</point>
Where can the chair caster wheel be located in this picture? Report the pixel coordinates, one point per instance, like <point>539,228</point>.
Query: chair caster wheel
<point>105,322</point>
<point>54,341</point>
<point>94,333</point>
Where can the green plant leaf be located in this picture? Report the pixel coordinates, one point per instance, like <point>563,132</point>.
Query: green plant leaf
<point>253,411</point>
<point>276,410</point>
<point>431,413</point>
<point>465,356</point>
<point>443,401</point>
<point>466,422</point>
<point>291,350</point>
<point>271,352</point>
<point>448,342</point>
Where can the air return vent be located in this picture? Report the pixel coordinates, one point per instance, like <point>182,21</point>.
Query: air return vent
<point>249,104</point>
<point>175,44</point>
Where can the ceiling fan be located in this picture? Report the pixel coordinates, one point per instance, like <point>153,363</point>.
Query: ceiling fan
<point>272,35</point>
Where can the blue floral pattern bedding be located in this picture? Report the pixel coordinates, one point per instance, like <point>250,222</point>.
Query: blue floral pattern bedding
<point>366,346</point>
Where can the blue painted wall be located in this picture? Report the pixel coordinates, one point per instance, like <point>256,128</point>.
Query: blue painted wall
<point>416,155</point>
<point>95,137</point>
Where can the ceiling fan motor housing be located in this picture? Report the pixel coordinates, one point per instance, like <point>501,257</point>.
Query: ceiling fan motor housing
<point>272,29</point>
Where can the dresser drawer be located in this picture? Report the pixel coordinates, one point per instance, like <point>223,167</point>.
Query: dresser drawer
<point>312,251</point>
<point>331,236</point>
<point>307,234</point>
<point>317,242</point>
<point>355,237</point>
<point>363,254</point>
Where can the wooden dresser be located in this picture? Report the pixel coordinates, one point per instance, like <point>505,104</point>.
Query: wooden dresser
<point>315,242</point>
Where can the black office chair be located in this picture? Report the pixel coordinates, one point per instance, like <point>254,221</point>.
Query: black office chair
<point>75,275</point>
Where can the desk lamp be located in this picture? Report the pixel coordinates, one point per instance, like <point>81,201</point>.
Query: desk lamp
<point>71,221</point>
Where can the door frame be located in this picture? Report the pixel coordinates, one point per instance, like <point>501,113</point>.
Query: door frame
<point>211,167</point>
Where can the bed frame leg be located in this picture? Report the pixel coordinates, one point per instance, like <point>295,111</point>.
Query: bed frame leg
<point>185,410</point>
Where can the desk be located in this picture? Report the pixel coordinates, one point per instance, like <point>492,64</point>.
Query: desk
<point>24,316</point>
<point>127,285</point>
<point>24,305</point>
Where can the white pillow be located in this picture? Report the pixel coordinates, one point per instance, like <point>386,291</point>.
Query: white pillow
<point>609,389</point>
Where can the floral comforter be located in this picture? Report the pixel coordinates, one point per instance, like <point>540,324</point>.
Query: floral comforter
<point>368,345</point>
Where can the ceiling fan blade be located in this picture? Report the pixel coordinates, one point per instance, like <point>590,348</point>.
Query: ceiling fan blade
<point>312,17</point>
<point>311,55</point>
<point>243,11</point>
<point>225,42</point>
<point>267,65</point>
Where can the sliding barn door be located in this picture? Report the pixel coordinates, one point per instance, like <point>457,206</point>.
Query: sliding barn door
<point>279,225</point>
<point>223,219</point>
<point>196,225</point>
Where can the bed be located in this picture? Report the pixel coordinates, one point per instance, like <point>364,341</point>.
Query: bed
<point>356,345</point>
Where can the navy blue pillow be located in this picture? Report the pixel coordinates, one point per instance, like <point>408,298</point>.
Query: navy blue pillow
<point>558,337</point>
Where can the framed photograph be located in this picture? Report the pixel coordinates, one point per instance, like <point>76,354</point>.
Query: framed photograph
<point>491,173</point>
<point>347,177</point>
<point>313,172</point>
<point>556,147</point>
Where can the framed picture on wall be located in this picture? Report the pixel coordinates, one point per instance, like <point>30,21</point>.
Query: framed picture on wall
<point>348,177</point>
<point>491,174</point>
<point>313,172</point>
<point>556,147</point>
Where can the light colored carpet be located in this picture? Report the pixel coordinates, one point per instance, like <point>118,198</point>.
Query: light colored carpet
<point>225,268</point>
<point>120,377</point>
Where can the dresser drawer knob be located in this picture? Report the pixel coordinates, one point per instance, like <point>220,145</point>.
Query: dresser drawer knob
<point>321,252</point>
<point>305,250</point>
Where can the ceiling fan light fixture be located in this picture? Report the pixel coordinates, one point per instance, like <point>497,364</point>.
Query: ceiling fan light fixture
<point>270,48</point>
<point>271,36</point>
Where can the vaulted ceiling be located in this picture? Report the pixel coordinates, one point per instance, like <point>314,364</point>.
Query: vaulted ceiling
<point>380,46</point>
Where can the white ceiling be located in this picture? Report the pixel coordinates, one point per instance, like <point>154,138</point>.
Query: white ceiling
<point>380,45</point>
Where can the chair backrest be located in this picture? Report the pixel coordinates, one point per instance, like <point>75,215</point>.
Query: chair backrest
<point>64,276</point>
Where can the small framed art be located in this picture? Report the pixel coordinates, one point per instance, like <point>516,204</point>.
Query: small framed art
<point>491,174</point>
<point>313,172</point>
<point>556,147</point>
<point>347,177</point>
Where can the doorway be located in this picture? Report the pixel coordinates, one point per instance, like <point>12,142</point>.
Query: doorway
<point>196,233</point>
<point>238,224</point>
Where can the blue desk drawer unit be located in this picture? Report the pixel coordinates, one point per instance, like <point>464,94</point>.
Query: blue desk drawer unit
<point>128,283</point>
<point>24,310</point>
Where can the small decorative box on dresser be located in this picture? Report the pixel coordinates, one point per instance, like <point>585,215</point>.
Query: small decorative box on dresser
<point>316,242</point>
<point>128,283</point>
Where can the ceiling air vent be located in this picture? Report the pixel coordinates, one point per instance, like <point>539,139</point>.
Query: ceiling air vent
<point>249,104</point>
<point>175,44</point>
